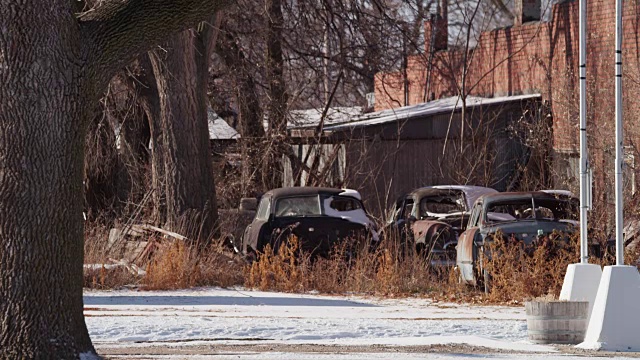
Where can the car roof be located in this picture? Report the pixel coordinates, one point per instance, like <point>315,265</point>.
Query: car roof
<point>506,196</point>
<point>472,193</point>
<point>303,191</point>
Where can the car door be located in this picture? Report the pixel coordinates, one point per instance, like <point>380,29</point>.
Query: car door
<point>465,250</point>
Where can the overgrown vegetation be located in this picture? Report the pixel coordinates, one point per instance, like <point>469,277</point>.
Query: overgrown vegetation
<point>170,264</point>
<point>518,271</point>
<point>385,271</point>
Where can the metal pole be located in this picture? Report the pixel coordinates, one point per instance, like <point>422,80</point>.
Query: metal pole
<point>619,138</point>
<point>584,156</point>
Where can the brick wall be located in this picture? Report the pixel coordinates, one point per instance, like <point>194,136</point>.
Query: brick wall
<point>537,57</point>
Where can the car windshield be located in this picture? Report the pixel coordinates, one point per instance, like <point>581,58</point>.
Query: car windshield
<point>526,209</point>
<point>298,206</point>
<point>451,201</point>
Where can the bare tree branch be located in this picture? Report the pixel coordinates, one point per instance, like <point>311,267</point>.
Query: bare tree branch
<point>116,31</point>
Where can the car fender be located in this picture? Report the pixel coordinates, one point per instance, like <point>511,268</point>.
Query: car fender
<point>424,231</point>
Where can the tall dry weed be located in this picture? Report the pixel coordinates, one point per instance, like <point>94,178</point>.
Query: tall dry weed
<point>182,265</point>
<point>520,271</point>
<point>385,271</point>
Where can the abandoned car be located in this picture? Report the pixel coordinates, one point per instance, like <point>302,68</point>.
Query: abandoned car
<point>432,217</point>
<point>524,216</point>
<point>319,217</point>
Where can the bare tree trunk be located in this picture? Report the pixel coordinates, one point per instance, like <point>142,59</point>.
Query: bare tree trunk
<point>249,111</point>
<point>41,171</point>
<point>273,169</point>
<point>150,102</point>
<point>53,68</point>
<point>180,70</point>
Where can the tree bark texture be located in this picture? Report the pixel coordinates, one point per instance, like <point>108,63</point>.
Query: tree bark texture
<point>180,68</point>
<point>273,169</point>
<point>42,90</point>
<point>53,67</point>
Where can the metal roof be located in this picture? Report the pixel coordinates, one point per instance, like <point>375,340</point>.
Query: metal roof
<point>425,109</point>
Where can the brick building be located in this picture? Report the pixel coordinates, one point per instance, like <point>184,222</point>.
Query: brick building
<point>536,56</point>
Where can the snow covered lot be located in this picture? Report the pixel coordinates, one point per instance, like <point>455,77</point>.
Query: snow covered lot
<point>241,323</point>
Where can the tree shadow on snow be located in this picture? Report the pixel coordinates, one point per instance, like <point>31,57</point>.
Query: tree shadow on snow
<point>160,300</point>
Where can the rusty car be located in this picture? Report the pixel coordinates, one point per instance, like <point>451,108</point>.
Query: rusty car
<point>318,217</point>
<point>430,219</point>
<point>522,216</point>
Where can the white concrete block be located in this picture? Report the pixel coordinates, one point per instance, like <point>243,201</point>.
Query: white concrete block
<point>581,284</point>
<point>615,319</point>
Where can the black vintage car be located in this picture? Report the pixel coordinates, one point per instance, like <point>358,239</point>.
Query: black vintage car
<point>318,217</point>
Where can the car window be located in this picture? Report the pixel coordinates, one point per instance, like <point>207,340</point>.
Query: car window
<point>298,206</point>
<point>263,209</point>
<point>544,213</point>
<point>441,204</point>
<point>556,209</point>
<point>520,209</point>
<point>525,209</point>
<point>343,203</point>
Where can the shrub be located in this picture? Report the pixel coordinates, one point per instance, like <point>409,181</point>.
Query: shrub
<point>385,271</point>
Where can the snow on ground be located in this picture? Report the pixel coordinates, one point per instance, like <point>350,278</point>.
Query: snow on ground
<point>227,315</point>
<point>361,356</point>
<point>206,316</point>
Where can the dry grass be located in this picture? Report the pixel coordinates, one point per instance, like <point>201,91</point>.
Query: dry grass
<point>520,272</point>
<point>96,251</point>
<point>180,265</point>
<point>103,278</point>
<point>96,243</point>
<point>386,271</point>
<point>173,265</point>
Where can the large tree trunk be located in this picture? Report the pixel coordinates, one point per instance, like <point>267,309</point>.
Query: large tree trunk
<point>53,67</point>
<point>42,97</point>
<point>180,70</point>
